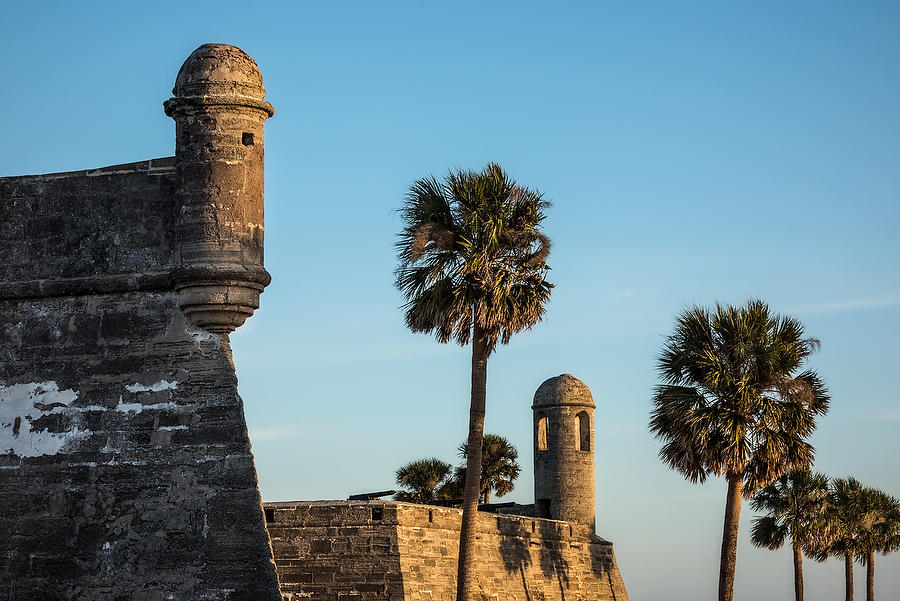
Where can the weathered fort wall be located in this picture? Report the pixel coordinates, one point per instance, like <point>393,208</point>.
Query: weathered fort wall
<point>125,466</point>
<point>380,550</point>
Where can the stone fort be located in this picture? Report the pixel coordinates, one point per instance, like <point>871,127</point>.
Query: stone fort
<point>126,472</point>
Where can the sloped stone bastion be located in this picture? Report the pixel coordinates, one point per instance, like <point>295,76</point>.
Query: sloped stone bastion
<point>125,465</point>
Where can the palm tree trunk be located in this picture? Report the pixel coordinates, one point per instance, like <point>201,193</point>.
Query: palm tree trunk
<point>472,492</point>
<point>870,576</point>
<point>487,496</point>
<point>848,576</point>
<point>729,537</point>
<point>798,572</point>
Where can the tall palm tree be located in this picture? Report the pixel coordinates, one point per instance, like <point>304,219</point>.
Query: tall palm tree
<point>422,479</point>
<point>734,403</point>
<point>472,266</point>
<point>795,506</point>
<point>499,466</point>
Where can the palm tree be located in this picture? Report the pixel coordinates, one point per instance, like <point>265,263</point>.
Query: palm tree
<point>499,466</point>
<point>840,532</point>
<point>472,266</point>
<point>733,404</point>
<point>879,531</point>
<point>422,479</point>
<point>860,522</point>
<point>795,505</point>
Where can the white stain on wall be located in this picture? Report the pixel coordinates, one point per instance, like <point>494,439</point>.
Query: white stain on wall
<point>200,336</point>
<point>23,404</point>
<point>155,387</point>
<point>139,407</point>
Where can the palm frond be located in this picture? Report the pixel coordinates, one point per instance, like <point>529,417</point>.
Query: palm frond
<point>768,532</point>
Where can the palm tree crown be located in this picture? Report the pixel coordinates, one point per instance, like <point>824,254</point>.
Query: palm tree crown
<point>421,479</point>
<point>879,527</point>
<point>795,506</point>
<point>499,466</point>
<point>842,520</point>
<point>471,255</point>
<point>733,402</point>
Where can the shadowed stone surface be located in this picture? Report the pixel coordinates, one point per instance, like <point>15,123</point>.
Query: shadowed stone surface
<point>125,465</point>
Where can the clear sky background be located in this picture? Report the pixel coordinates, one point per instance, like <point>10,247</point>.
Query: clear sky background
<point>693,153</point>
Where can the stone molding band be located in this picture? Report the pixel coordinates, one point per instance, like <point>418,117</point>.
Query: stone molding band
<point>173,105</point>
<point>192,274</point>
<point>148,281</point>
<point>565,404</point>
<point>94,284</point>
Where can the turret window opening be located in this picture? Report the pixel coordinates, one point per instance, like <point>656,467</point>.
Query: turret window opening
<point>583,440</point>
<point>542,432</point>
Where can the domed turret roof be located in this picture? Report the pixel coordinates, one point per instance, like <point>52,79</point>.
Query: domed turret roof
<point>219,69</point>
<point>564,389</point>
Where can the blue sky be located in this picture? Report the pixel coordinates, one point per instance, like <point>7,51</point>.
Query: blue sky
<point>694,153</point>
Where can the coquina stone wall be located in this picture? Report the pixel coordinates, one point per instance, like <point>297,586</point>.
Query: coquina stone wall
<point>125,466</point>
<point>380,550</point>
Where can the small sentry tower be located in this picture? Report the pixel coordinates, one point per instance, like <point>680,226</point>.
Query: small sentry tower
<point>564,450</point>
<point>219,111</point>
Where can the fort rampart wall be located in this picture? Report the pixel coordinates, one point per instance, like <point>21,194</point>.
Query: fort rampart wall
<point>379,550</point>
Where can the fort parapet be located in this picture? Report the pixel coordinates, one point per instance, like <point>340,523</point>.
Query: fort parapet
<point>377,550</point>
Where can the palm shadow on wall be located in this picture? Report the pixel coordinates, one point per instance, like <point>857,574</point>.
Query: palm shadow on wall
<point>553,564</point>
<point>515,549</point>
<point>601,563</point>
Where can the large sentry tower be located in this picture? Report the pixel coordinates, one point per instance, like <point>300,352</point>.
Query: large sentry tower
<point>564,450</point>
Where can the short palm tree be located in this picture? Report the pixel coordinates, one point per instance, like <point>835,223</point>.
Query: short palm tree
<point>472,266</point>
<point>795,505</point>
<point>878,531</point>
<point>860,522</point>
<point>734,403</point>
<point>422,479</point>
<point>839,536</point>
<point>499,466</point>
